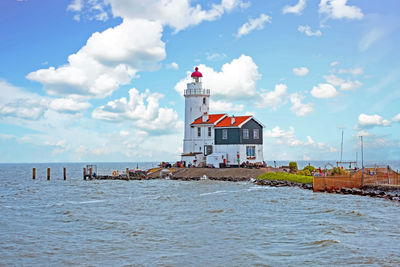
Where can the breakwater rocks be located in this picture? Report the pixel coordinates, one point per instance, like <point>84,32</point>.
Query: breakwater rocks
<point>204,177</point>
<point>372,191</point>
<point>262,182</point>
<point>277,183</point>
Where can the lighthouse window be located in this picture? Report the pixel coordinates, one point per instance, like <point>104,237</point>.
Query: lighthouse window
<point>209,131</point>
<point>199,132</point>
<point>224,134</point>
<point>204,100</point>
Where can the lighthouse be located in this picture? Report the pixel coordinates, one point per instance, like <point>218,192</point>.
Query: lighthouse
<point>197,101</point>
<point>217,139</point>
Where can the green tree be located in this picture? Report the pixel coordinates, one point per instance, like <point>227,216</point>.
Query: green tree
<point>293,166</point>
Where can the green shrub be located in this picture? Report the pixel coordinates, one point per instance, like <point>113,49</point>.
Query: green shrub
<point>293,166</point>
<point>338,171</point>
<point>283,176</point>
<point>309,168</point>
<point>304,172</point>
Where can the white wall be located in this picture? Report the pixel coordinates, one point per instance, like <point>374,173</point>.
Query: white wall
<point>194,108</point>
<point>232,151</point>
<point>204,139</point>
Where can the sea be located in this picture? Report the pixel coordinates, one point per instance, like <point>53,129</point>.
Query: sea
<point>186,223</point>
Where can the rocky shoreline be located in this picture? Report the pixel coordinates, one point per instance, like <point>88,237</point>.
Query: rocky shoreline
<point>248,175</point>
<point>376,192</point>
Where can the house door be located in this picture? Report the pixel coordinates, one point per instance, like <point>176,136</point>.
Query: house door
<point>208,150</point>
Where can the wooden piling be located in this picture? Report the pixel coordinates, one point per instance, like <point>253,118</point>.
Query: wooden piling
<point>34,173</point>
<point>84,173</point>
<point>65,174</point>
<point>127,174</point>
<point>90,174</point>
<point>48,173</point>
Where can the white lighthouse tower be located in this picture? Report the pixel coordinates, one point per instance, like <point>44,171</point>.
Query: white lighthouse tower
<point>197,102</point>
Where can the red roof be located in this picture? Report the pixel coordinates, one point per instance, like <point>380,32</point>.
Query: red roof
<point>212,118</point>
<point>196,73</point>
<point>227,121</point>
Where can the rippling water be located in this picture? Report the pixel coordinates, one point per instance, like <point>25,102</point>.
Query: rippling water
<point>165,222</point>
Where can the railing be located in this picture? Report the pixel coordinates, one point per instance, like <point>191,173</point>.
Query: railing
<point>197,92</point>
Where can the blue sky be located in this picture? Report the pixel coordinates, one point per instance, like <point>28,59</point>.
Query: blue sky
<point>102,80</point>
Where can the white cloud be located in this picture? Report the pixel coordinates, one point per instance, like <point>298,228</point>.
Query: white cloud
<point>178,14</point>
<point>24,108</point>
<point>215,56</point>
<point>298,107</point>
<point>396,118</point>
<point>363,133</point>
<point>335,63</point>
<point>288,138</point>
<point>273,99</point>
<point>68,105</point>
<point>223,106</point>
<point>18,103</point>
<point>370,121</point>
<point>308,31</point>
<point>337,9</point>
<point>333,79</point>
<point>300,71</point>
<point>355,71</point>
<point>90,9</point>
<point>344,85</point>
<point>108,60</point>
<point>370,38</point>
<point>150,117</point>
<point>253,24</point>
<point>76,5</point>
<point>236,80</point>
<point>283,137</point>
<point>296,9</point>
<point>172,65</point>
<point>324,90</point>
<point>124,133</point>
<point>350,85</point>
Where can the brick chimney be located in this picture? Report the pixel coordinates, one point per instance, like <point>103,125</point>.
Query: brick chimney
<point>205,117</point>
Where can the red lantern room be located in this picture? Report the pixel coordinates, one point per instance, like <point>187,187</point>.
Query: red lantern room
<point>196,75</point>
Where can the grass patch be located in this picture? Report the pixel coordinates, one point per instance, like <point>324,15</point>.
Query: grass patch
<point>283,176</point>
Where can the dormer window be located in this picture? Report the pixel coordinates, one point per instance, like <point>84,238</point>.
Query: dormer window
<point>245,133</point>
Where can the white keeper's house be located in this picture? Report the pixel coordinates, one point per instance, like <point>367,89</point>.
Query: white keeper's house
<point>214,139</point>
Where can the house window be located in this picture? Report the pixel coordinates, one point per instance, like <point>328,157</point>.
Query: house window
<point>209,131</point>
<point>251,152</point>
<point>256,134</point>
<point>245,133</point>
<point>199,132</point>
<point>204,100</point>
<point>225,134</point>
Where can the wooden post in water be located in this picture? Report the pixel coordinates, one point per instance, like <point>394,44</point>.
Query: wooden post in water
<point>34,173</point>
<point>48,173</point>
<point>90,174</point>
<point>84,173</point>
<point>65,174</point>
<point>127,174</point>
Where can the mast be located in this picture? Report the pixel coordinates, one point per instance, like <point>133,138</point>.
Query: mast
<point>341,148</point>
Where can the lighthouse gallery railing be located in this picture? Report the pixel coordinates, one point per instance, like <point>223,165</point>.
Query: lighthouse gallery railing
<point>197,92</point>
